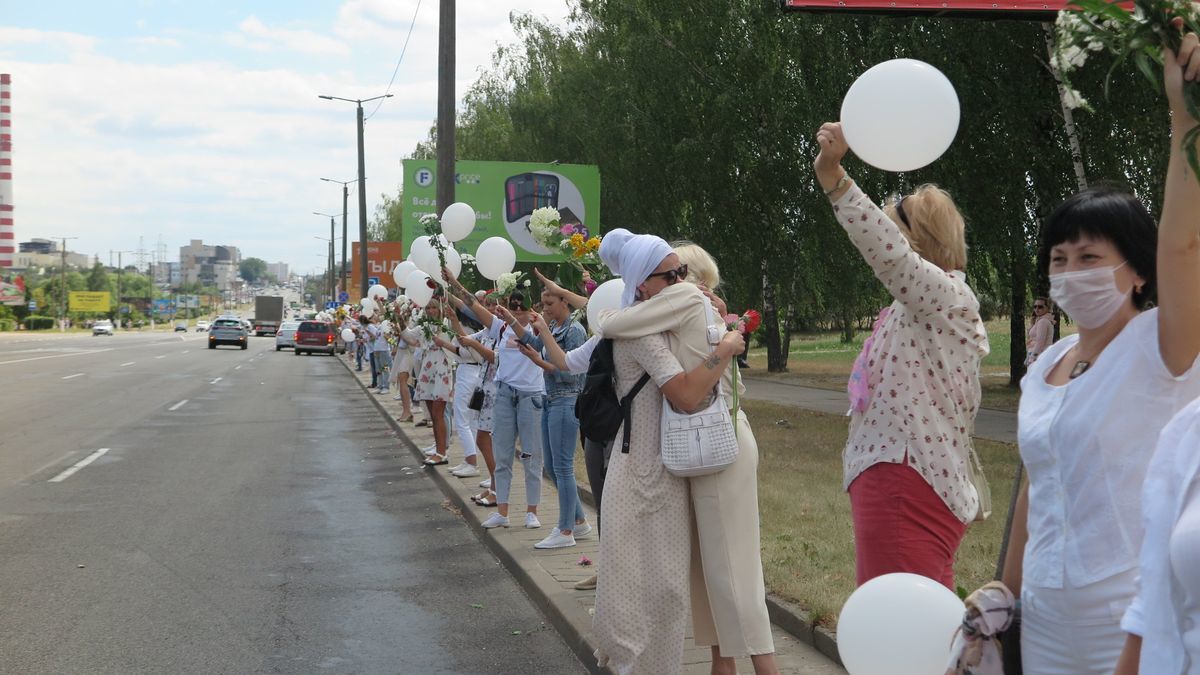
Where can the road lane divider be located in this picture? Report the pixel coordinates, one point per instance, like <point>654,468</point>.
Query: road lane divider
<point>68,377</point>
<point>128,363</point>
<point>216,381</point>
<point>58,356</point>
<point>177,406</point>
<point>237,367</point>
<point>70,471</point>
<point>161,356</point>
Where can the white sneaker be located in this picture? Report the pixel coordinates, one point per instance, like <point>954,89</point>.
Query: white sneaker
<point>582,529</point>
<point>486,483</point>
<point>556,540</point>
<point>466,471</point>
<point>457,467</point>
<point>495,520</point>
<point>531,521</point>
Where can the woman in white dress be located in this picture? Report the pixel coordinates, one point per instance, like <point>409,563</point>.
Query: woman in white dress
<point>434,386</point>
<point>1093,404</point>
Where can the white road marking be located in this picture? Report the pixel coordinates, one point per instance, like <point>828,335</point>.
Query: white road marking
<point>177,406</point>
<point>73,376</point>
<point>186,351</point>
<point>215,381</point>
<point>57,356</point>
<point>237,367</point>
<point>78,465</point>
<point>128,363</point>
<point>162,356</point>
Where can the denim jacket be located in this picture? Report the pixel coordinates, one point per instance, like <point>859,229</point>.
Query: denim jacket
<point>560,383</point>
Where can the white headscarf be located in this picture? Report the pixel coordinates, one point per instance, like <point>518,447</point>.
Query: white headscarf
<point>632,257</point>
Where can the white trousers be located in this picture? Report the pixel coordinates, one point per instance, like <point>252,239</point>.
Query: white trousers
<point>1075,631</point>
<point>466,421</point>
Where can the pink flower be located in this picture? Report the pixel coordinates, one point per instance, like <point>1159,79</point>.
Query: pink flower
<point>567,230</point>
<point>731,319</point>
<point>584,560</point>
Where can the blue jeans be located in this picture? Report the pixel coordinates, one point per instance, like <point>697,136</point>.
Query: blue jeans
<point>517,413</point>
<point>560,428</point>
<point>383,361</point>
<point>360,350</point>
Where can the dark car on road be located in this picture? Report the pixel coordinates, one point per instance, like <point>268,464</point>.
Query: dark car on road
<point>227,332</point>
<point>315,336</point>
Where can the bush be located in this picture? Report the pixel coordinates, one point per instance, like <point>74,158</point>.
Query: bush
<point>7,325</point>
<point>39,322</point>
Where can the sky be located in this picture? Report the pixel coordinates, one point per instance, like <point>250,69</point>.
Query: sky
<point>181,120</point>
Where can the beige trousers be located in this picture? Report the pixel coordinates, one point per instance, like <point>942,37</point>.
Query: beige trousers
<point>729,605</point>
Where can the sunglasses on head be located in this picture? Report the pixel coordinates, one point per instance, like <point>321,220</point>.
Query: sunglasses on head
<point>1039,307</point>
<point>900,212</point>
<point>671,276</point>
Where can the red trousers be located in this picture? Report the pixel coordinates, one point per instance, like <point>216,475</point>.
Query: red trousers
<point>901,525</point>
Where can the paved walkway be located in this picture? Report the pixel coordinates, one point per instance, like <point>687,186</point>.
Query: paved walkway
<point>549,576</point>
<point>993,425</point>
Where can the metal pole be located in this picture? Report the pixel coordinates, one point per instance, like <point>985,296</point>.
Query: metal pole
<point>120,270</point>
<point>332,260</point>
<point>445,107</point>
<point>362,205</point>
<point>62,318</point>
<point>343,278</point>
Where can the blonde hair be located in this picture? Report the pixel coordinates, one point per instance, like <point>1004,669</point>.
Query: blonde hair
<point>935,228</point>
<point>702,269</point>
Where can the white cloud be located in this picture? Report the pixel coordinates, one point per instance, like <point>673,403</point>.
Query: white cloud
<point>68,42</point>
<point>255,34</point>
<point>154,41</point>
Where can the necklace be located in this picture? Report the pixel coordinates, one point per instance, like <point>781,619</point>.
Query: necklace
<point>1080,368</point>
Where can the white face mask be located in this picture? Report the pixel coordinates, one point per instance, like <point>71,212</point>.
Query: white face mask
<point>1089,297</point>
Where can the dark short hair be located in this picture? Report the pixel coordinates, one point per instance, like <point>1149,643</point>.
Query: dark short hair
<point>1110,212</point>
<point>519,297</point>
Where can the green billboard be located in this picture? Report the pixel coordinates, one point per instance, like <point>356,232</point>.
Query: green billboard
<point>503,195</point>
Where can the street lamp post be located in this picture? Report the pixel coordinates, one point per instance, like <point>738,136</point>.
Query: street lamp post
<point>120,271</point>
<point>332,238</point>
<point>62,282</point>
<point>344,272</point>
<point>362,184</point>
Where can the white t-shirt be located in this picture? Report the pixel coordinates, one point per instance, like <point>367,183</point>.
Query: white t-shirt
<point>580,358</point>
<point>1086,446</point>
<point>515,369</point>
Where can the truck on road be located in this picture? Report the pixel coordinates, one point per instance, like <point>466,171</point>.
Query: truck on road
<point>268,314</point>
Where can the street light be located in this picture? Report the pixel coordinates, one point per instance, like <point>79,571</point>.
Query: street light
<point>120,271</point>
<point>329,269</point>
<point>345,272</point>
<point>362,184</point>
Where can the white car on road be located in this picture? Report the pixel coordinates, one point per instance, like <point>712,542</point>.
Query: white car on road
<point>104,327</point>
<point>202,326</point>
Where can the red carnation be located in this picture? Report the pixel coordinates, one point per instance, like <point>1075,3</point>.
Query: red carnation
<point>750,320</point>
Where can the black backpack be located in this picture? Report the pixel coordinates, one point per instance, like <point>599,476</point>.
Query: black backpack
<point>599,411</point>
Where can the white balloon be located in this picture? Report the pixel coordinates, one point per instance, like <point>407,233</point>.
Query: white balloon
<point>900,115</point>
<point>417,287</point>
<point>367,312</point>
<point>458,221</point>
<point>898,624</point>
<point>419,244</point>
<point>347,335</point>
<point>426,260</point>
<point>368,303</point>
<point>378,291</point>
<point>606,296</point>
<point>453,263</point>
<point>402,271</point>
<point>495,256</point>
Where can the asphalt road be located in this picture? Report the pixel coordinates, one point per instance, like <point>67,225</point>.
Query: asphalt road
<point>251,512</point>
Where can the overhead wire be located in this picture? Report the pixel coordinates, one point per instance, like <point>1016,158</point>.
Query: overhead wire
<point>398,61</point>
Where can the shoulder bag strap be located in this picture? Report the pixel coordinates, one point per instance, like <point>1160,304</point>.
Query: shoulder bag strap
<point>627,410</point>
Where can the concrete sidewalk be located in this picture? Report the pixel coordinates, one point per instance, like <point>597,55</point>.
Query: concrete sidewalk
<point>549,576</point>
<point>993,425</point>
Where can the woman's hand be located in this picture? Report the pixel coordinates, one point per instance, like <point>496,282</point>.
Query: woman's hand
<point>717,303</point>
<point>733,343</point>
<point>547,284</point>
<point>1178,70</point>
<point>539,325</point>
<point>828,164</point>
<point>506,315</point>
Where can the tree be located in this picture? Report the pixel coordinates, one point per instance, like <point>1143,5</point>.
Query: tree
<point>98,279</point>
<point>385,224</point>
<point>253,269</point>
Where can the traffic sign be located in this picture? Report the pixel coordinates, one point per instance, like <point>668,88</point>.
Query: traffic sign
<point>372,281</point>
<point>331,305</point>
<point>343,297</point>
<point>32,306</point>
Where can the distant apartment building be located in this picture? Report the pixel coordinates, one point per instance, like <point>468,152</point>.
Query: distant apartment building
<point>167,274</point>
<point>215,266</point>
<point>279,271</point>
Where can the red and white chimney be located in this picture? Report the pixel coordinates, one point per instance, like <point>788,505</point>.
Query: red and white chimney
<point>8,242</point>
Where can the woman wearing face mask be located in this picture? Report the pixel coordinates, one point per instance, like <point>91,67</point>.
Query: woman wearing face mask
<point>1093,404</point>
<point>1041,331</point>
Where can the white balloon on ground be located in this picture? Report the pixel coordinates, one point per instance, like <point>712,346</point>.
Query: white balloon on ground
<point>494,257</point>
<point>378,291</point>
<point>418,289</point>
<point>606,296</point>
<point>458,221</point>
<point>347,335</point>
<point>401,272</point>
<point>900,115</point>
<point>898,624</point>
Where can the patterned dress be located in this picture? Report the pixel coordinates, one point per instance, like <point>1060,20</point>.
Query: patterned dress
<point>434,381</point>
<point>642,595</point>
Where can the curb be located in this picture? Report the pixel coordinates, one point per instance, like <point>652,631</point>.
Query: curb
<point>787,615</point>
<point>563,612</point>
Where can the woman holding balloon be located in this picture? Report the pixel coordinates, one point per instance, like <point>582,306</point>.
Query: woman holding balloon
<point>907,460</point>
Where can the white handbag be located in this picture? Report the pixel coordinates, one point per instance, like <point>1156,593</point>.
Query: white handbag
<point>703,442</point>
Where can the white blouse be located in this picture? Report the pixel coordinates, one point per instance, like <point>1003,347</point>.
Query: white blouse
<point>1086,446</point>
<point>1164,611</point>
